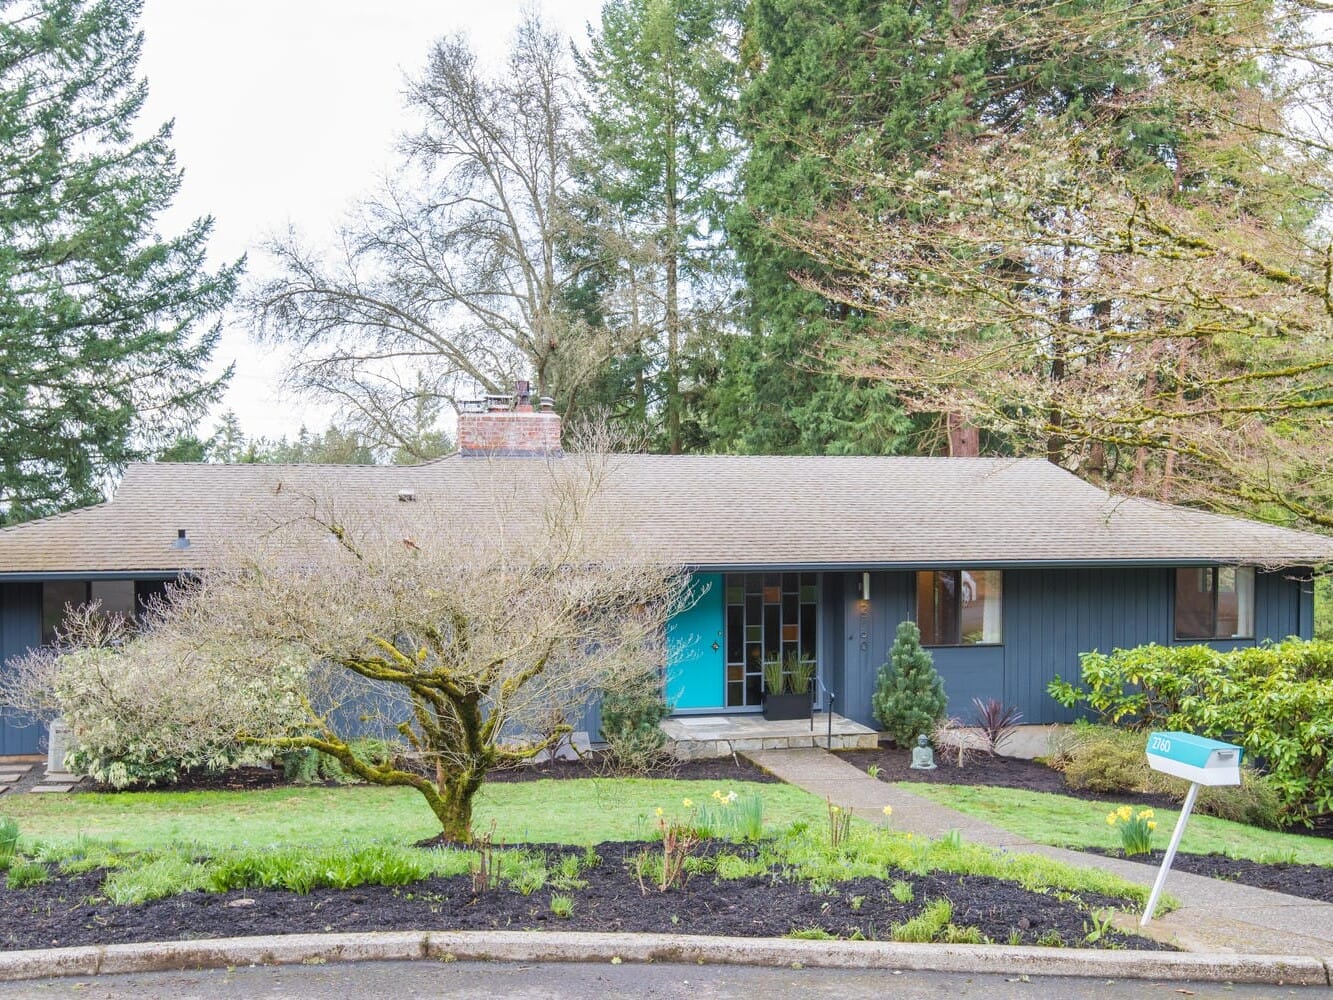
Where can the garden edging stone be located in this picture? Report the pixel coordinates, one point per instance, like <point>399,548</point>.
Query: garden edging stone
<point>512,946</point>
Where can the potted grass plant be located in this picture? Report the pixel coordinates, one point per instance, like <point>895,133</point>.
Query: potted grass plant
<point>787,688</point>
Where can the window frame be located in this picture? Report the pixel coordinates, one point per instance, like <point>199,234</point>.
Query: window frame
<point>1241,616</point>
<point>958,607</point>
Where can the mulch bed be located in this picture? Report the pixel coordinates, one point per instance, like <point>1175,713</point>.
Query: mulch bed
<point>1306,881</point>
<point>68,910</point>
<point>983,769</point>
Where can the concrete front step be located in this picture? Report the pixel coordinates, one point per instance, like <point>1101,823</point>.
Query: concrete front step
<point>703,749</point>
<point>697,737</point>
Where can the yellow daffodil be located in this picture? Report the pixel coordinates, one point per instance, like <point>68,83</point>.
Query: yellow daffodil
<point>1146,814</point>
<point>658,812</point>
<point>687,803</point>
<point>835,809</point>
<point>887,810</point>
<point>1152,824</point>
<point>1110,819</point>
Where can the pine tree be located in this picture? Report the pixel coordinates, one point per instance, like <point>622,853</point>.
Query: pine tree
<point>909,695</point>
<point>103,335</point>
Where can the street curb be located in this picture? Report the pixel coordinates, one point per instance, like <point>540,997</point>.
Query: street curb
<point>512,946</point>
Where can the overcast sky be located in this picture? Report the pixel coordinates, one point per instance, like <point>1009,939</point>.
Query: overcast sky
<point>286,111</point>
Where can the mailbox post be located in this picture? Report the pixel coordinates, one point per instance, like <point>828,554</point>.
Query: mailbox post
<point>1199,761</point>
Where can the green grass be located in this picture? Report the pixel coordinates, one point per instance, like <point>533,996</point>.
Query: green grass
<point>1068,822</point>
<point>569,812</point>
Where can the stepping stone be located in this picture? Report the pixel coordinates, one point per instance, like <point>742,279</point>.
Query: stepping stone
<point>51,788</point>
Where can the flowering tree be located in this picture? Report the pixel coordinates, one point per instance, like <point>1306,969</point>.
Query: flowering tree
<point>471,629</point>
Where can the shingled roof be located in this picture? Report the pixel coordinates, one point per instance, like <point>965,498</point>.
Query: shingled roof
<point>706,511</point>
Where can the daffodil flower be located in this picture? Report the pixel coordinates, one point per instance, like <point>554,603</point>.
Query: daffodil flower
<point>687,803</point>
<point>887,810</point>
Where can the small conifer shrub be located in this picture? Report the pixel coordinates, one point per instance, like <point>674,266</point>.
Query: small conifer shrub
<point>909,695</point>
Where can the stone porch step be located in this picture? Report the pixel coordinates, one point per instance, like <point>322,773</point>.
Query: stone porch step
<point>696,737</point>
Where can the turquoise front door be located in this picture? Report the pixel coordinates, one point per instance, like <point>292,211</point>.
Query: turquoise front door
<point>696,659</point>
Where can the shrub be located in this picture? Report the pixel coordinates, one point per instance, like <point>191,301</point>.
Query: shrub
<point>129,728</point>
<point>1276,700</point>
<point>1103,759</point>
<point>309,767</point>
<point>909,695</point>
<point>632,726</point>
<point>997,722</point>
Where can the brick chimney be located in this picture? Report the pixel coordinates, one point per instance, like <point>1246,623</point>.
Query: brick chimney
<point>508,427</point>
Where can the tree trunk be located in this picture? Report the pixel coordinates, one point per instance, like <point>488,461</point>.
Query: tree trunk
<point>672,282</point>
<point>451,803</point>
<point>964,438</point>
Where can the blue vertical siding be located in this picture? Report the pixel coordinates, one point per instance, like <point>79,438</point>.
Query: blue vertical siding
<point>20,629</point>
<point>1051,616</point>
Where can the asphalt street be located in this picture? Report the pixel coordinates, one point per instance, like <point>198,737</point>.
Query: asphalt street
<point>562,981</point>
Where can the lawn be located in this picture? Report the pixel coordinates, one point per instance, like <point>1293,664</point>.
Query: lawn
<point>569,812</point>
<point>1069,822</point>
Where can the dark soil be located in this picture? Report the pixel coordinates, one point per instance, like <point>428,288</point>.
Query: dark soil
<point>1307,881</point>
<point>983,769</point>
<point>591,765</point>
<point>70,911</point>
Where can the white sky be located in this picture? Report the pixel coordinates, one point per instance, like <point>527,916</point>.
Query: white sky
<point>286,112</point>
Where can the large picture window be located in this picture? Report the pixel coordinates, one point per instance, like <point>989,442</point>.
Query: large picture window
<point>959,607</point>
<point>116,597</point>
<point>1215,602</point>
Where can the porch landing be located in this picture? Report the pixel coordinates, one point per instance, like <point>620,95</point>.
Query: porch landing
<point>693,737</point>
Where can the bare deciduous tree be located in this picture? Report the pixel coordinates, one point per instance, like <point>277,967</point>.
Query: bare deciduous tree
<point>460,627</point>
<point>454,274</point>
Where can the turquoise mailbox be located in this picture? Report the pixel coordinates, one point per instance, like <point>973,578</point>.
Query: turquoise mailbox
<point>1195,758</point>
<point>1200,761</point>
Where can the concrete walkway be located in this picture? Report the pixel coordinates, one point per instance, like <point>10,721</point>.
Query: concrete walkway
<point>1214,916</point>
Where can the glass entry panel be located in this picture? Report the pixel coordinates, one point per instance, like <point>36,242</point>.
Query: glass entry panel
<point>770,616</point>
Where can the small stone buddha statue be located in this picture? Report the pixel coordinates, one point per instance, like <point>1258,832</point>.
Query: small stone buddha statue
<point>923,758</point>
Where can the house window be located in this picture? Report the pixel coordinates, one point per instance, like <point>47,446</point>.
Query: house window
<point>770,616</point>
<point>1215,602</point>
<point>117,597</point>
<point>57,596</point>
<point>959,607</point>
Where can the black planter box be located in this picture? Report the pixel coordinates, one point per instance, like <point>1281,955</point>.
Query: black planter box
<point>778,707</point>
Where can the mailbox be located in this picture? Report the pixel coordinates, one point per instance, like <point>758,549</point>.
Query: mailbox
<point>1195,758</point>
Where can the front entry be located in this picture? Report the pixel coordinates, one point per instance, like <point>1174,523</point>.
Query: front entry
<point>694,647</point>
<point>717,647</point>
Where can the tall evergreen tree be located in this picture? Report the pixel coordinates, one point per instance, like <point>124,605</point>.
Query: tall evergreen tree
<point>827,79</point>
<point>104,334</point>
<point>659,171</point>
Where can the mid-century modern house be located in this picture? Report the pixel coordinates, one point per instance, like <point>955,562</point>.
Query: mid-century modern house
<point>1011,567</point>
